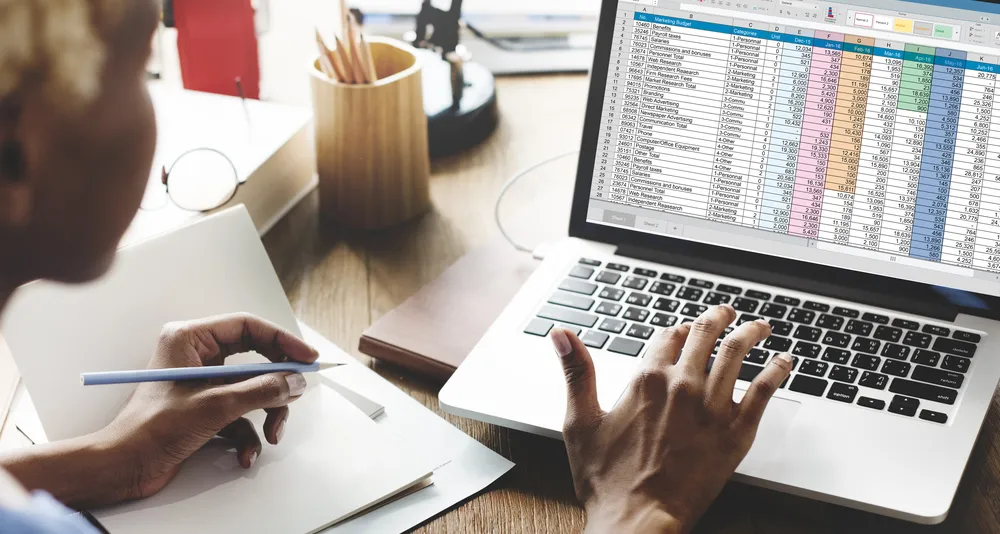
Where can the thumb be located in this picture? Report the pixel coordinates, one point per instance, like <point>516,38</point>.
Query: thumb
<point>581,380</point>
<point>259,393</point>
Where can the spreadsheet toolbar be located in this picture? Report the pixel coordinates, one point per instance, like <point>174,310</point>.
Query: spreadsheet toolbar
<point>873,144</point>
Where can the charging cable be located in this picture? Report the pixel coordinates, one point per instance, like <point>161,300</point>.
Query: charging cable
<point>506,187</point>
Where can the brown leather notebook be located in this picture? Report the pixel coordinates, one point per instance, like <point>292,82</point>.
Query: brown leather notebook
<point>433,331</point>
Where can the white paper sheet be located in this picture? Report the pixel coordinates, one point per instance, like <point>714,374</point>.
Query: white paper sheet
<point>465,466</point>
<point>332,461</point>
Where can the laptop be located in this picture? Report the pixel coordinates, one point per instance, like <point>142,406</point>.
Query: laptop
<point>835,171</point>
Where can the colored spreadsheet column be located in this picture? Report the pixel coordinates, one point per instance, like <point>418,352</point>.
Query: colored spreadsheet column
<point>907,149</point>
<point>793,83</point>
<point>753,197</point>
<point>876,145</point>
<point>845,143</point>
<point>988,227</point>
<point>967,195</point>
<point>817,128</point>
<point>944,108</point>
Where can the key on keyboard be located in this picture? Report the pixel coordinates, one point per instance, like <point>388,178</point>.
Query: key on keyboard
<point>745,305</point>
<point>780,328</point>
<point>636,314</point>
<point>608,277</point>
<point>663,320</point>
<point>693,310</point>
<point>923,391</point>
<point>611,293</point>
<point>714,299</point>
<point>690,293</point>
<point>842,392</point>
<point>595,340</point>
<point>831,322</point>
<point>787,301</point>
<point>808,385</point>
<point>628,347</point>
<point>582,272</point>
<point>927,357</point>
<point>807,333</point>
<point>571,301</point>
<point>635,282</point>
<point>729,289</point>
<point>904,405</point>
<point>565,315</point>
<point>843,374</point>
<point>661,288</point>
<point>773,310</point>
<point>836,355</point>
<point>578,286</point>
<point>955,363</point>
<point>666,305</point>
<point>612,325</point>
<point>846,312</point>
<point>958,348</point>
<point>639,299</point>
<point>874,380</point>
<point>639,331</point>
<point>859,328</point>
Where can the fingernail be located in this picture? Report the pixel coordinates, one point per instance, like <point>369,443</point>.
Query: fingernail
<point>280,431</point>
<point>296,384</point>
<point>313,349</point>
<point>561,343</point>
<point>785,358</point>
<point>253,458</point>
<point>763,323</point>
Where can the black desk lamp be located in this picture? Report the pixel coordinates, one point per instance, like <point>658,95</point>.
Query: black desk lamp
<point>459,95</point>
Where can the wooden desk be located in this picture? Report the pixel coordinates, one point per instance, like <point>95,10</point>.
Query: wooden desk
<point>340,282</point>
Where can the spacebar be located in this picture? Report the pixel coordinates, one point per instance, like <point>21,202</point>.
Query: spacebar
<point>563,315</point>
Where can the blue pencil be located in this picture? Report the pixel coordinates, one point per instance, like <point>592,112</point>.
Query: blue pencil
<point>201,373</point>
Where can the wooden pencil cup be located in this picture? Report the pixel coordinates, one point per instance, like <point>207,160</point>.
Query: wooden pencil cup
<point>371,142</point>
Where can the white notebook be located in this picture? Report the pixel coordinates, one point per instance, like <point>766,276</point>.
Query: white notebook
<point>333,461</point>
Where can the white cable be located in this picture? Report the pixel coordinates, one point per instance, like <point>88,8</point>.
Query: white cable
<point>510,183</point>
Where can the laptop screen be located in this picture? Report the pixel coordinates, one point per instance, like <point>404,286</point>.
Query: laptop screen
<point>860,135</point>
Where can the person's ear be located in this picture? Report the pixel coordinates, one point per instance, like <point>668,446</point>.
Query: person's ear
<point>16,194</point>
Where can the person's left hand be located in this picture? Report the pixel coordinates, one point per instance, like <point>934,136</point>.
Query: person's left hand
<point>164,423</point>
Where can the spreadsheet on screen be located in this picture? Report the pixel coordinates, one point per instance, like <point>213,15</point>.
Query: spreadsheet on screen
<point>858,136</point>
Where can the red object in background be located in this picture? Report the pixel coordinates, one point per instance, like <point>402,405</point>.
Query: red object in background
<point>217,43</point>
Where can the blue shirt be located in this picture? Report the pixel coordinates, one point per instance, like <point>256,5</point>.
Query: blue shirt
<point>43,515</point>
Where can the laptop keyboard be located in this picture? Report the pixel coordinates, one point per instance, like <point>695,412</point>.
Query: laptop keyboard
<point>842,354</point>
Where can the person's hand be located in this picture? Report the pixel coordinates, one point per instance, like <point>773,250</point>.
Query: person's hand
<point>663,454</point>
<point>164,423</point>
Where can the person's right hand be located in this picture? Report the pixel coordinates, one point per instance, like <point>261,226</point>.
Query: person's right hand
<point>662,455</point>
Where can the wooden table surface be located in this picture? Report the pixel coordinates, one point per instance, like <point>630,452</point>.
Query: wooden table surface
<point>339,282</point>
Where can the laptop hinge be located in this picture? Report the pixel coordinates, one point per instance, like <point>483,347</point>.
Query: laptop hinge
<point>873,290</point>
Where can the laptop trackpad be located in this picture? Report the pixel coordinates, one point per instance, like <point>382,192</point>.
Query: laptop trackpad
<point>769,446</point>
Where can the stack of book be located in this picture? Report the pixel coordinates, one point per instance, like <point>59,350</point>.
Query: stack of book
<point>270,144</point>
